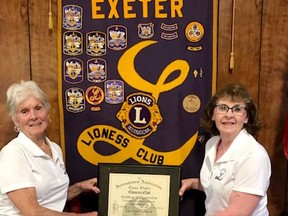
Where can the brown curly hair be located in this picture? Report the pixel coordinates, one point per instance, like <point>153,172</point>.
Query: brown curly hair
<point>237,93</point>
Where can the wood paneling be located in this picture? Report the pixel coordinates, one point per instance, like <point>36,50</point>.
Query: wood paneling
<point>247,42</point>
<point>29,51</point>
<point>14,52</point>
<point>44,57</point>
<point>273,94</point>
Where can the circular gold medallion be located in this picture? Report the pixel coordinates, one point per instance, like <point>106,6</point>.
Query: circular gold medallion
<point>94,95</point>
<point>191,103</point>
<point>194,31</point>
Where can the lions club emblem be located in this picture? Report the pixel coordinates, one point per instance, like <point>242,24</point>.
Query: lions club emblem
<point>139,115</point>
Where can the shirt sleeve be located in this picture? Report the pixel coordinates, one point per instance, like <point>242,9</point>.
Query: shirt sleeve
<point>253,174</point>
<point>15,170</point>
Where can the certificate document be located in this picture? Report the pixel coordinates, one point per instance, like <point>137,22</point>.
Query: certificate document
<point>138,190</point>
<point>141,194</point>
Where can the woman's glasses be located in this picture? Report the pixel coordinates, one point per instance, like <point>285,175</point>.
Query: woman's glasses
<point>237,110</point>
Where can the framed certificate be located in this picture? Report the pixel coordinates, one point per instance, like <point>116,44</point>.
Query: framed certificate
<point>136,189</point>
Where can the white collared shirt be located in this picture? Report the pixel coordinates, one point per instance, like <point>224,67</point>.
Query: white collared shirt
<point>244,167</point>
<point>23,164</point>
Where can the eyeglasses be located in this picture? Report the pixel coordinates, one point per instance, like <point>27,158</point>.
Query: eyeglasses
<point>237,110</point>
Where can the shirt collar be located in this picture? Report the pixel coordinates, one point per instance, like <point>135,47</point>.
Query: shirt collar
<point>34,148</point>
<point>235,147</point>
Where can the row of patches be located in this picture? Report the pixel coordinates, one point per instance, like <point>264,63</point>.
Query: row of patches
<point>76,97</point>
<point>114,94</point>
<point>116,37</point>
<point>73,16</point>
<point>95,41</point>
<point>96,70</point>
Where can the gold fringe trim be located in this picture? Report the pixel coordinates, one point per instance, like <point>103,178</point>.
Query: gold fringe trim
<point>232,58</point>
<point>50,23</point>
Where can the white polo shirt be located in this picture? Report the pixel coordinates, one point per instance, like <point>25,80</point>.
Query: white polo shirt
<point>23,164</point>
<point>245,167</point>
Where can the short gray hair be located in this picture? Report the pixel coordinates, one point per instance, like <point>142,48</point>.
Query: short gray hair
<point>18,92</point>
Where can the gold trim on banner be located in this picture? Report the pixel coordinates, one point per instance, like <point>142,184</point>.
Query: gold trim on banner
<point>215,40</point>
<point>232,58</point>
<point>50,16</point>
<point>60,90</point>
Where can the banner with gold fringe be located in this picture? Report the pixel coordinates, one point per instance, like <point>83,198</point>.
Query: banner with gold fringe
<point>134,77</point>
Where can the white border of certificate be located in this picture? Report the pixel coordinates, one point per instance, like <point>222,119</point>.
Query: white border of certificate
<point>136,189</point>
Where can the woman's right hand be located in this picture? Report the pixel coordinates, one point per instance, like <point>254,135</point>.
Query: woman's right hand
<point>191,183</point>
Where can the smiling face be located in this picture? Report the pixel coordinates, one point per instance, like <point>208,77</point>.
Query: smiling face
<point>32,118</point>
<point>228,123</point>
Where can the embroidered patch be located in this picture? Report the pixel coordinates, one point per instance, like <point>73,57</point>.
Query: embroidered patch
<point>139,115</point>
<point>114,91</point>
<point>117,37</point>
<point>72,43</point>
<point>96,70</point>
<point>72,17</point>
<point>145,30</point>
<point>75,101</point>
<point>95,43</point>
<point>94,95</point>
<point>73,70</point>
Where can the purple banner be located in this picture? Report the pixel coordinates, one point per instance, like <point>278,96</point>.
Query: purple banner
<point>134,78</point>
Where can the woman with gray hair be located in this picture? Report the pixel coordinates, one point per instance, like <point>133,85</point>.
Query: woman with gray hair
<point>33,179</point>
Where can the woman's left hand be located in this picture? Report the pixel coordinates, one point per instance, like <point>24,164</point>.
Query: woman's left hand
<point>89,185</point>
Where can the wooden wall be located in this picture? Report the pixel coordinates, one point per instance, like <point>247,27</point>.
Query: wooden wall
<point>28,50</point>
